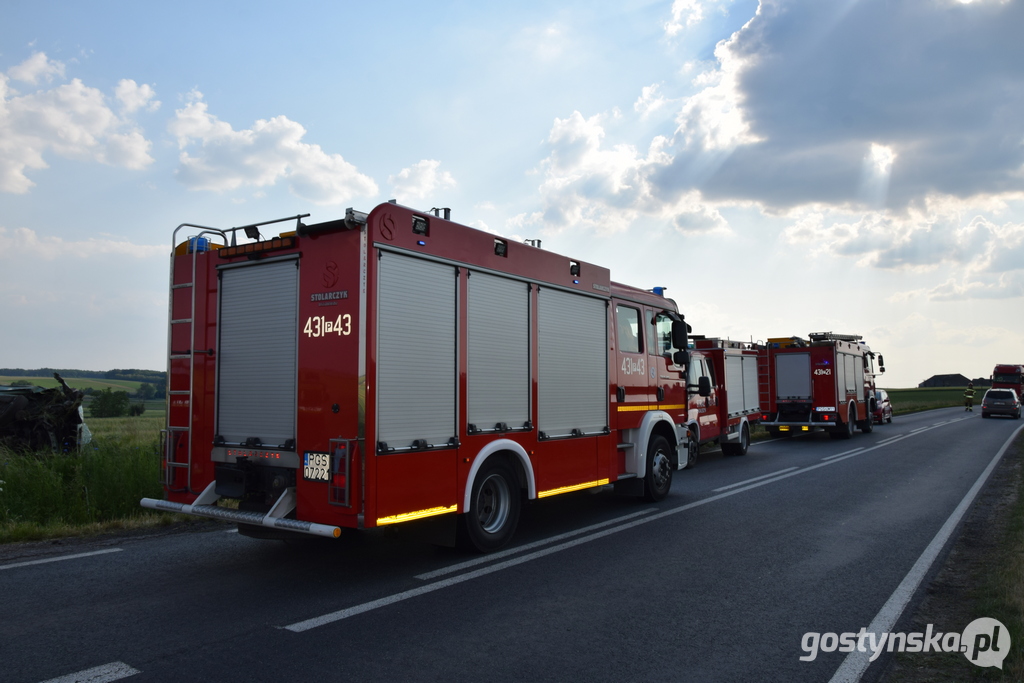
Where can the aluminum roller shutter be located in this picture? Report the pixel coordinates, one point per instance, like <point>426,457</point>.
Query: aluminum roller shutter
<point>751,390</point>
<point>793,375</point>
<point>851,374</point>
<point>256,362</point>
<point>572,350</point>
<point>415,351</point>
<point>499,352</point>
<point>841,381</point>
<point>734,383</point>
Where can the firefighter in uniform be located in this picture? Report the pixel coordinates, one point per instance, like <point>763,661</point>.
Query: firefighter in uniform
<point>969,397</point>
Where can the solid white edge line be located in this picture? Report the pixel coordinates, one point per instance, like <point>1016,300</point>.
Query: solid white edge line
<point>332,617</point>
<point>856,663</point>
<point>59,559</point>
<point>747,481</point>
<point>114,671</point>
<point>528,546</point>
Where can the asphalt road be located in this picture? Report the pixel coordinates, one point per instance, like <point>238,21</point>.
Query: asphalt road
<point>717,583</point>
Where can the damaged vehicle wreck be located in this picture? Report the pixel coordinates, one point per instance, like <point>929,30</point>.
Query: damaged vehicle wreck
<point>33,418</point>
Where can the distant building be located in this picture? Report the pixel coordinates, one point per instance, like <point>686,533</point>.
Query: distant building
<point>982,382</point>
<point>945,381</point>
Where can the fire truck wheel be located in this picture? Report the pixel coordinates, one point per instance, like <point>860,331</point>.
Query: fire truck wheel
<point>867,425</point>
<point>493,510</point>
<point>692,450</point>
<point>844,431</point>
<point>658,479</point>
<point>741,446</point>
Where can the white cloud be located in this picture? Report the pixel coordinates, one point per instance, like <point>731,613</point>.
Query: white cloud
<point>70,120</point>
<point>133,96</point>
<point>21,243</point>
<point>650,100</point>
<point>36,67</point>
<point>901,157</point>
<point>685,13</point>
<point>420,181</point>
<point>269,151</point>
<point>586,184</point>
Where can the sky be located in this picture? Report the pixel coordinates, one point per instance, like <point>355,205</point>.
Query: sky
<point>782,167</point>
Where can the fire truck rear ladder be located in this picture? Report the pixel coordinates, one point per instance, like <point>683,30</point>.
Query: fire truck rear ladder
<point>171,465</point>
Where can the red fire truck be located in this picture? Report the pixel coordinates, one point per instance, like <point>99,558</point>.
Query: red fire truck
<point>1009,377</point>
<point>394,366</point>
<point>826,381</point>
<point>724,392</point>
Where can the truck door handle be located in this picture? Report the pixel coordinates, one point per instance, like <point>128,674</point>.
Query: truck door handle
<point>661,394</point>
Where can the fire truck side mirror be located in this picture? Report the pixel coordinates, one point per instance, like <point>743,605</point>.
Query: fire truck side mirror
<point>681,358</point>
<point>881,363</point>
<point>704,386</point>
<point>679,338</point>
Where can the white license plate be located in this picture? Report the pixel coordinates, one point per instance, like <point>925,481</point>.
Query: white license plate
<point>316,466</point>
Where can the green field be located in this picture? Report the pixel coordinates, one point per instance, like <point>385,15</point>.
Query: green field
<point>78,383</point>
<point>918,399</point>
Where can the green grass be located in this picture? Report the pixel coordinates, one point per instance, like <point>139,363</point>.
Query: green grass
<point>55,494</point>
<point>78,383</point>
<point>1001,596</point>
<point>915,400</point>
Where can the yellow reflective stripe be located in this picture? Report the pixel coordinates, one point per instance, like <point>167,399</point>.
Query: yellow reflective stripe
<point>574,487</point>
<point>635,408</point>
<point>419,514</point>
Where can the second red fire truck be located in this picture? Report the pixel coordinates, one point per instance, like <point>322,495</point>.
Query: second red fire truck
<point>724,402</point>
<point>824,382</point>
<point>395,366</point>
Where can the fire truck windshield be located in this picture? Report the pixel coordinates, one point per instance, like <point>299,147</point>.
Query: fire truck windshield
<point>1011,377</point>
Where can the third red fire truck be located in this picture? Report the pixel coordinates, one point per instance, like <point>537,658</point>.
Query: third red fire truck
<point>395,366</point>
<point>826,381</point>
<point>1009,377</point>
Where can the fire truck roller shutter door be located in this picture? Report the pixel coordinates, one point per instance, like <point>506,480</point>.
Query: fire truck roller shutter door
<point>734,383</point>
<point>257,357</point>
<point>751,390</point>
<point>499,352</point>
<point>851,373</point>
<point>572,390</point>
<point>415,351</point>
<point>793,375</point>
<point>840,383</point>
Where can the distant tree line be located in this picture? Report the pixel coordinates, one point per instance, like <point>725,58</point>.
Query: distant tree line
<point>132,375</point>
<point>155,379</point>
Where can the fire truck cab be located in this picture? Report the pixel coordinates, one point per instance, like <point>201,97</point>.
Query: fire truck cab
<point>396,366</point>
<point>1009,377</point>
<point>824,382</point>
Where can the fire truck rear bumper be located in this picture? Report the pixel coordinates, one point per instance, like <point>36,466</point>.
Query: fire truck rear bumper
<point>202,508</point>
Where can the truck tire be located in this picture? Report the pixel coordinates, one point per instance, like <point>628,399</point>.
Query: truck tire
<point>493,508</point>
<point>867,425</point>
<point>844,430</point>
<point>692,450</point>
<point>658,479</point>
<point>740,447</point>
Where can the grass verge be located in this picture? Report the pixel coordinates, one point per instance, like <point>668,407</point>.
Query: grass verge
<point>983,576</point>
<point>48,495</point>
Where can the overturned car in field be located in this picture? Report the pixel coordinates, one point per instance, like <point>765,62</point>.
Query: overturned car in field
<point>34,418</point>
